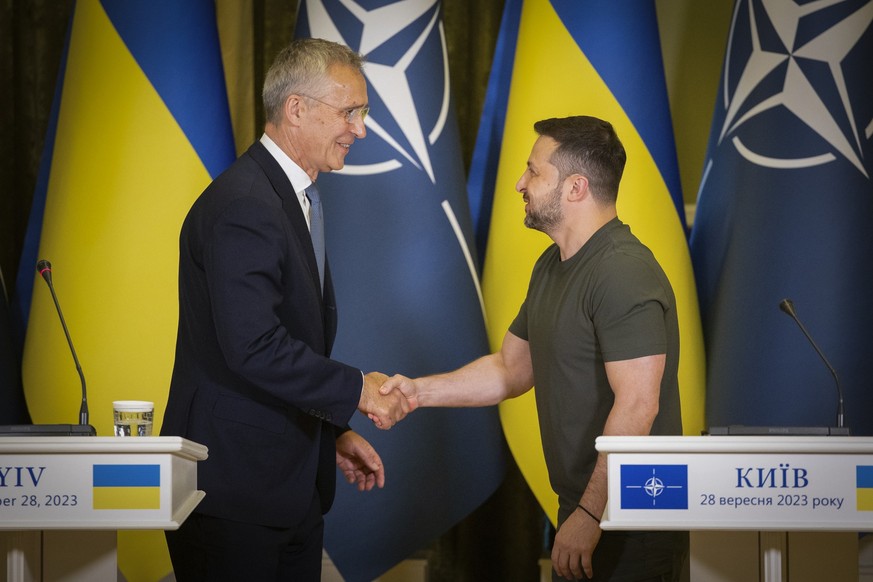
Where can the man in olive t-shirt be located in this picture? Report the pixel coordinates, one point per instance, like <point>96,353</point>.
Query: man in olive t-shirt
<point>597,334</point>
<point>609,302</point>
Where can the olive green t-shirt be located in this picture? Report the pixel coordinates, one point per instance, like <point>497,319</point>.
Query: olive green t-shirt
<point>611,301</point>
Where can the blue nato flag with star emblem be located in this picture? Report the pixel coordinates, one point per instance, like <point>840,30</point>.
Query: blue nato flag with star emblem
<point>654,486</point>
<point>402,257</point>
<point>785,211</point>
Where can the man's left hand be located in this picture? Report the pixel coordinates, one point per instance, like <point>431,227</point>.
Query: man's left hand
<point>574,545</point>
<point>359,461</point>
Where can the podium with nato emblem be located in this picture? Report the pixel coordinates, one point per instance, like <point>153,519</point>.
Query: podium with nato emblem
<point>775,509</point>
<point>63,499</point>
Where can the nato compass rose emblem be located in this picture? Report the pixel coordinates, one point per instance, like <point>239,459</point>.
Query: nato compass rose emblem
<point>654,486</point>
<point>803,67</point>
<point>407,72</point>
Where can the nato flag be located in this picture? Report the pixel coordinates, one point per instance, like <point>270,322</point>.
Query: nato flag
<point>654,486</point>
<point>401,252</point>
<point>784,211</point>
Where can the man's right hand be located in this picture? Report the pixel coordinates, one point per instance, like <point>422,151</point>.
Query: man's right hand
<point>399,384</point>
<point>385,410</point>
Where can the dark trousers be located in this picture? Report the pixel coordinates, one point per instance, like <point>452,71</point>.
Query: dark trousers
<point>210,549</point>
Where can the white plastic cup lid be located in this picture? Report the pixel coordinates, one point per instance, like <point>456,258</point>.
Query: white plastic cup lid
<point>133,405</point>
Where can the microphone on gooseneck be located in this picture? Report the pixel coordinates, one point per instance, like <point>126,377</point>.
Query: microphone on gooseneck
<point>787,306</point>
<point>44,268</point>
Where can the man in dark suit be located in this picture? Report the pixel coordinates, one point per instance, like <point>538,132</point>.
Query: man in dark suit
<point>253,380</point>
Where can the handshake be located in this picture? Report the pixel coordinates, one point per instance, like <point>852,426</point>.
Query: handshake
<point>384,405</point>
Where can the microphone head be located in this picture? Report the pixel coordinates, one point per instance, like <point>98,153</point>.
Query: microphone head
<point>44,268</point>
<point>787,306</point>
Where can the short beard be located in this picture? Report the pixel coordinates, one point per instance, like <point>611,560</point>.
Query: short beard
<point>549,216</point>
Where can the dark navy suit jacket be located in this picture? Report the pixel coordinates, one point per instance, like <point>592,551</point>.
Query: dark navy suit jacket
<point>252,379</point>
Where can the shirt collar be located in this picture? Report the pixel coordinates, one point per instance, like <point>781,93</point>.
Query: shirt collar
<point>299,179</point>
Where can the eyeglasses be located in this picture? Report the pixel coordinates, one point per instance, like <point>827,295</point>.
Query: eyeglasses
<point>349,114</point>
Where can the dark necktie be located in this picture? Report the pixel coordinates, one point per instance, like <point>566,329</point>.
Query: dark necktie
<point>316,228</point>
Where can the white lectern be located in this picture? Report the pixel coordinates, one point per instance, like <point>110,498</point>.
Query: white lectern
<point>759,508</point>
<point>62,499</point>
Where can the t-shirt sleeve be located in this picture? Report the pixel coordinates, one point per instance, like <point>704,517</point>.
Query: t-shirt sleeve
<point>629,310</point>
<point>518,328</point>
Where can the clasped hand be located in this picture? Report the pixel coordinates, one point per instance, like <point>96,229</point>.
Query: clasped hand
<point>385,410</point>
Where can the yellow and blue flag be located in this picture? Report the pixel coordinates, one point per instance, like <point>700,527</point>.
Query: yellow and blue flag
<point>140,127</point>
<point>610,67</point>
<point>126,486</point>
<point>784,212</point>
<point>401,251</point>
<point>864,487</point>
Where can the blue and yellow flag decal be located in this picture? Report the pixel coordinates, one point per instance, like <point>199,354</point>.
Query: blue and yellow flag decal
<point>864,487</point>
<point>127,486</point>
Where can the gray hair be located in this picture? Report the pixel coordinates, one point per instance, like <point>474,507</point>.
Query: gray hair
<point>302,68</point>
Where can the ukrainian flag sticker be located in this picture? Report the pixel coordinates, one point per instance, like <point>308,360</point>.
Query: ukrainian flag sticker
<point>864,487</point>
<point>127,486</point>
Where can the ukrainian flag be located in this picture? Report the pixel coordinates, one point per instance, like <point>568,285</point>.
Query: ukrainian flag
<point>610,67</point>
<point>127,486</point>
<point>864,486</point>
<point>141,127</point>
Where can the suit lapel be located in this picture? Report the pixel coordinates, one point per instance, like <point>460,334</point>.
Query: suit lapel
<point>290,203</point>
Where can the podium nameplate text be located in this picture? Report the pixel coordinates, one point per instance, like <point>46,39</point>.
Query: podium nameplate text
<point>93,484</point>
<point>781,484</point>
